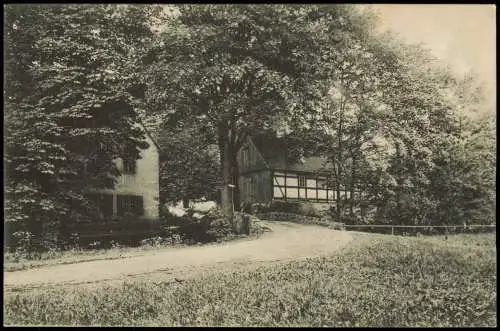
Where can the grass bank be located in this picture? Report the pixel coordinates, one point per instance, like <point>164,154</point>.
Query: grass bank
<point>381,281</point>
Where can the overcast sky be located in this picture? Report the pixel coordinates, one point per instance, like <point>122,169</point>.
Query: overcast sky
<point>462,35</point>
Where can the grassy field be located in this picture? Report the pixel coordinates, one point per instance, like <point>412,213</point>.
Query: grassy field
<point>380,281</point>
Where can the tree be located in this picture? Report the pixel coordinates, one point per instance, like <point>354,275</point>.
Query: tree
<point>241,68</point>
<point>69,105</point>
<point>189,164</point>
<point>463,181</point>
<point>351,109</point>
<point>388,111</point>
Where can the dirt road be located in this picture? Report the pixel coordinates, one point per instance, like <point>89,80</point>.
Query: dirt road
<point>287,241</point>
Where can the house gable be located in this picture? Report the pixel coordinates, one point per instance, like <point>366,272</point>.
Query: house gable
<point>250,158</point>
<point>145,181</point>
<point>268,173</point>
<point>137,188</point>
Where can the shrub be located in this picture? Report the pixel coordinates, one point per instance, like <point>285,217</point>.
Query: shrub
<point>304,208</point>
<point>256,229</point>
<point>152,242</point>
<point>24,242</point>
<point>173,239</point>
<point>219,226</point>
<point>208,227</point>
<point>260,208</point>
<point>95,244</point>
<point>29,246</point>
<point>115,244</point>
<point>167,238</point>
<point>293,207</point>
<point>308,209</point>
<point>72,241</point>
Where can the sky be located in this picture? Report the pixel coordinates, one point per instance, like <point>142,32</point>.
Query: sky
<point>463,36</point>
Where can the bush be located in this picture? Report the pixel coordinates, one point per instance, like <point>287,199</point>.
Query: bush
<point>256,229</point>
<point>218,225</point>
<point>31,247</point>
<point>96,244</point>
<point>260,208</point>
<point>24,243</point>
<point>212,226</point>
<point>293,207</point>
<point>304,208</point>
<point>308,209</point>
<point>152,242</point>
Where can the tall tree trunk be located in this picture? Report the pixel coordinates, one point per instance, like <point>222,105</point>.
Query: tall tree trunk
<point>235,175</point>
<point>353,182</point>
<point>226,163</point>
<point>339,206</point>
<point>399,181</point>
<point>354,155</point>
<point>337,189</point>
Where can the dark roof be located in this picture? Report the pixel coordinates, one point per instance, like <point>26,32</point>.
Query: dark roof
<point>278,155</point>
<point>311,164</point>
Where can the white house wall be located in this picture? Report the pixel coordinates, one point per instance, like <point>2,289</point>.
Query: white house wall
<point>145,182</point>
<point>286,186</point>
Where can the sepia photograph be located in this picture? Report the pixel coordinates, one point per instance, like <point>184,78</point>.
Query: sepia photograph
<point>250,165</point>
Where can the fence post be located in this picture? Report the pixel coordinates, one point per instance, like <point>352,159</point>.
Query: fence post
<point>392,230</point>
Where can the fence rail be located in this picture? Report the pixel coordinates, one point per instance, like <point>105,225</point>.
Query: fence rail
<point>418,226</point>
<point>429,228</point>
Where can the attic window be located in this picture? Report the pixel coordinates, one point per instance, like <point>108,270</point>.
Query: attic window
<point>129,166</point>
<point>244,155</point>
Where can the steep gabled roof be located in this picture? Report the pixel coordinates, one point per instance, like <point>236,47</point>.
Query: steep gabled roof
<point>316,164</point>
<point>276,153</point>
<point>149,134</point>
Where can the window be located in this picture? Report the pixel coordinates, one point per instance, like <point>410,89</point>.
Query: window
<point>129,166</point>
<point>253,188</point>
<point>302,181</point>
<point>101,203</point>
<point>323,183</point>
<point>244,156</point>
<point>130,204</point>
<point>248,187</point>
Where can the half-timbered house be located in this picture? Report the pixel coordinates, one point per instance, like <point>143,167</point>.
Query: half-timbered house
<point>267,174</point>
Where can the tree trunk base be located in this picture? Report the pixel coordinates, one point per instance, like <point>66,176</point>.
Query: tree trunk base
<point>242,224</point>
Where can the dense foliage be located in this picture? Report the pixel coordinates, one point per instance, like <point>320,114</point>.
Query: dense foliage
<point>381,282</point>
<point>393,122</point>
<point>70,106</point>
<point>189,164</point>
<point>240,68</point>
<point>406,147</point>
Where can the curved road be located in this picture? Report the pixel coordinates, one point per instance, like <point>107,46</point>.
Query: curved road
<point>287,241</point>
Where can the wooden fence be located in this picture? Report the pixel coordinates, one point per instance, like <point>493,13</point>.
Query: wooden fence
<point>422,229</point>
